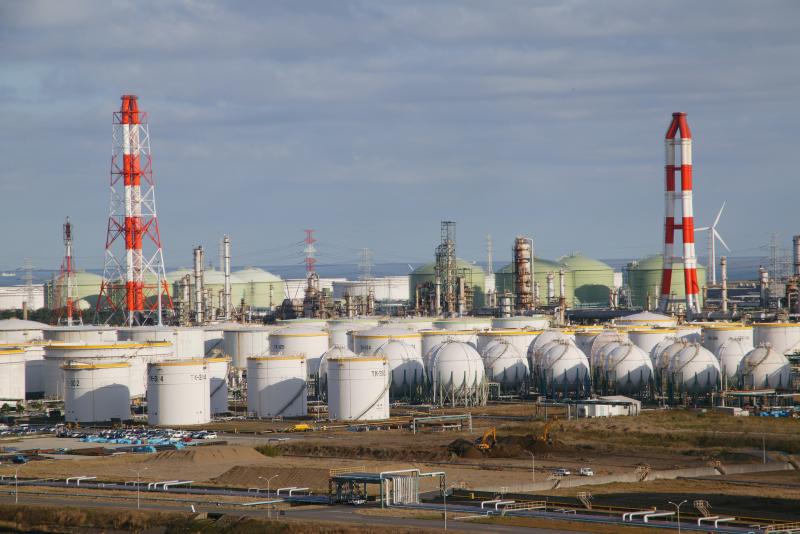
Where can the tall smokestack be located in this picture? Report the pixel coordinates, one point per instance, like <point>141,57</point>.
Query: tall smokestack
<point>679,125</point>
<point>199,294</point>
<point>551,290</point>
<point>796,254</point>
<point>226,260</point>
<point>723,264</point>
<point>763,280</point>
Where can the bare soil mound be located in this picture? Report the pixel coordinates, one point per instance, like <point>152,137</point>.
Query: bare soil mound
<point>506,447</point>
<point>247,476</point>
<point>206,455</point>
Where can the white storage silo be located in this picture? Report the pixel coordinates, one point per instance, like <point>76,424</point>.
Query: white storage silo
<point>716,334</point>
<point>765,368</point>
<point>505,364</point>
<point>432,338</point>
<point>243,343</point>
<point>782,337</point>
<point>337,351</point>
<point>178,393</point>
<point>218,383</point>
<point>628,368</point>
<point>367,341</point>
<point>34,370</point>
<point>690,332</point>
<point>532,322</point>
<point>405,365</point>
<point>648,339</point>
<point>12,375</point>
<point>458,376</point>
<point>730,355</point>
<point>90,334</point>
<point>276,386</point>
<point>358,388</point>
<point>187,342</point>
<point>694,370</point>
<point>563,366</point>
<point>463,323</point>
<point>21,331</point>
<point>338,332</point>
<point>414,324</point>
<point>96,392</point>
<point>309,340</point>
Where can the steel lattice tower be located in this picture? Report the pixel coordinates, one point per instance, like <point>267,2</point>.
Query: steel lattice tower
<point>65,283</point>
<point>134,289</point>
<point>679,125</point>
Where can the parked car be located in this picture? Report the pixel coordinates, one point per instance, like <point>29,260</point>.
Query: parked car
<point>210,435</point>
<point>562,472</point>
<point>19,459</point>
<point>586,472</point>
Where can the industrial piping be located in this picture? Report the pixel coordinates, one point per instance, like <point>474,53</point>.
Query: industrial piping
<point>679,125</point>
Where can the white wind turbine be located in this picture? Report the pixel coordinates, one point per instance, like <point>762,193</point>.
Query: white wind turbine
<point>713,235</point>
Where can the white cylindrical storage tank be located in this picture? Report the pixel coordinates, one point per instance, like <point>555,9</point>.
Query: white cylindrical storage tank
<point>690,332</point>
<point>457,374</point>
<point>695,370</point>
<point>564,366</point>
<point>218,383</point>
<point>12,375</point>
<point>715,335</point>
<point>765,368</point>
<point>505,364</point>
<point>276,386</point>
<point>242,343</point>
<point>178,393</point>
<point>21,331</point>
<point>463,323</point>
<point>532,322</point>
<point>648,338</point>
<point>92,335</point>
<point>432,338</point>
<point>34,370</point>
<point>96,392</point>
<point>628,368</point>
<point>730,355</point>
<point>337,351</point>
<point>213,340</point>
<point>358,388</point>
<point>188,343</point>
<point>405,365</point>
<point>367,341</point>
<point>782,337</point>
<point>308,340</point>
<point>415,324</point>
<point>302,322</point>
<point>339,333</point>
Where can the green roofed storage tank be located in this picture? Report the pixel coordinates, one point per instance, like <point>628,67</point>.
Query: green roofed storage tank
<point>262,289</point>
<point>473,275</point>
<point>593,279</point>
<point>504,280</point>
<point>87,287</point>
<point>644,280</point>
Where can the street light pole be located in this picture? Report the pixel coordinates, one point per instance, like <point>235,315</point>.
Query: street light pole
<point>678,508</point>
<point>16,485</point>
<point>533,466</point>
<point>268,481</point>
<point>139,486</point>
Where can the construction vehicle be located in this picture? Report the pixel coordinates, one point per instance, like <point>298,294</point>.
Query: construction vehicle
<point>300,427</point>
<point>488,440</point>
<point>545,435</point>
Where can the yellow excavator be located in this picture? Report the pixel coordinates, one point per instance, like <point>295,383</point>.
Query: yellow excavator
<point>488,440</point>
<point>545,435</point>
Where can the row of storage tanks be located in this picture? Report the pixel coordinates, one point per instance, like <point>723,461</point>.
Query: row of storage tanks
<point>361,364</point>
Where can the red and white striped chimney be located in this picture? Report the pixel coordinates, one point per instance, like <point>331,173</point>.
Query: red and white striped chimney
<point>679,125</point>
<point>132,174</point>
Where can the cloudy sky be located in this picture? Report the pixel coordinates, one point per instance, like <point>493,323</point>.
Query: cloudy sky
<point>372,121</point>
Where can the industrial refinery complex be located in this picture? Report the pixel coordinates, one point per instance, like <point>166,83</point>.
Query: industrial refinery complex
<point>140,346</point>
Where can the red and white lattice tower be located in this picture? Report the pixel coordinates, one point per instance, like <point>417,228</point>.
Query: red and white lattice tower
<point>134,289</point>
<point>310,251</point>
<point>679,125</point>
<point>65,284</point>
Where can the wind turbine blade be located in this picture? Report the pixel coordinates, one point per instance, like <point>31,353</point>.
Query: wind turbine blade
<point>716,234</point>
<point>718,215</point>
<point>701,229</point>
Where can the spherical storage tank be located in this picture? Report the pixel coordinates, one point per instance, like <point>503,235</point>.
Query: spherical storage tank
<point>276,386</point>
<point>12,374</point>
<point>218,383</point>
<point>628,368</point>
<point>310,341</point>
<point>85,287</point>
<point>96,392</point>
<point>563,366</point>
<point>504,363</point>
<point>243,343</point>
<point>187,342</point>
<point>457,371</point>
<point>715,335</point>
<point>405,365</point>
<point>648,338</point>
<point>765,368</point>
<point>358,388</point>
<point>694,370</point>
<point>520,338</point>
<point>178,393</point>
<point>593,280</point>
<point>782,337</point>
<point>644,280</point>
<point>730,355</point>
<point>602,345</point>
<point>367,341</point>
<point>473,276</point>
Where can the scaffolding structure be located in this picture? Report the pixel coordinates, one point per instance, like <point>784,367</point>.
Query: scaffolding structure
<point>446,270</point>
